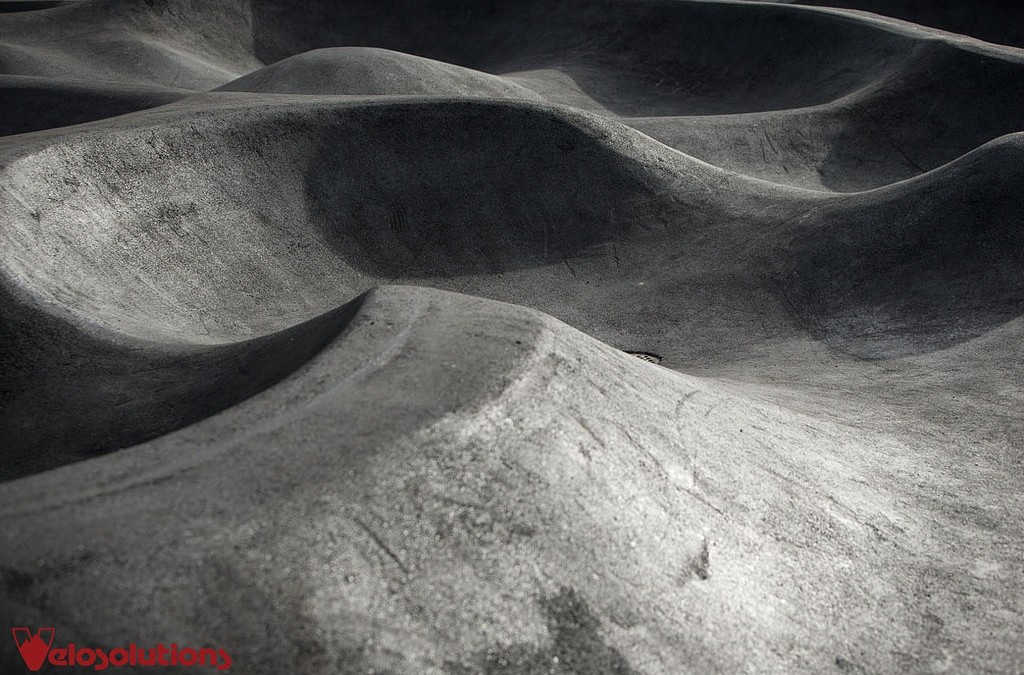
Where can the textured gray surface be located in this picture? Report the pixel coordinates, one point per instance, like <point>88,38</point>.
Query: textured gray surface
<point>333,315</point>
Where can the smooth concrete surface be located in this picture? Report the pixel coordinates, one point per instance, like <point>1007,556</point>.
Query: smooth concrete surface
<point>313,321</point>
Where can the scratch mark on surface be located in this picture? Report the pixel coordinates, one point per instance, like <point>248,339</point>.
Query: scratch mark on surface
<point>381,544</point>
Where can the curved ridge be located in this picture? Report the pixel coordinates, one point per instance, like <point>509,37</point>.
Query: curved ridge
<point>589,55</point>
<point>72,391</point>
<point>367,71</point>
<point>660,56</point>
<point>918,117</point>
<point>362,501</point>
<point>510,189</point>
<point>37,103</point>
<point>919,265</point>
<point>207,441</point>
<point>989,20</point>
<point>506,186</point>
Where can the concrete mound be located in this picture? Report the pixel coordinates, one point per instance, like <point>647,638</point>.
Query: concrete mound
<point>917,266</point>
<point>553,503</point>
<point>914,119</point>
<point>367,71</point>
<point>71,391</point>
<point>658,57</point>
<point>283,203</point>
<point>516,197</point>
<point>319,327</point>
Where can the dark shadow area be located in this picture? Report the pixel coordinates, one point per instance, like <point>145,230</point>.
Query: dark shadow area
<point>454,31</point>
<point>430,190</point>
<point>33,104</point>
<point>999,21</point>
<point>915,268</point>
<point>925,116</point>
<point>919,117</point>
<point>68,394</point>
<point>31,5</point>
<point>656,57</point>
